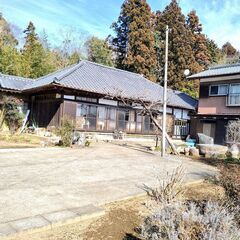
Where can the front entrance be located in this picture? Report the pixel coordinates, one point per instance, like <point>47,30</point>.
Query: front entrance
<point>209,129</point>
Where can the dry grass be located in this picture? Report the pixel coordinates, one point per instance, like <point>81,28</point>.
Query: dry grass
<point>19,140</point>
<point>204,191</point>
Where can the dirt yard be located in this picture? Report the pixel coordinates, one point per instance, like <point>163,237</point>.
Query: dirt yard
<point>121,220</point>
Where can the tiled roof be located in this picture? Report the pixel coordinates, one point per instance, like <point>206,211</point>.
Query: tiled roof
<point>220,70</point>
<point>91,77</point>
<point>14,83</point>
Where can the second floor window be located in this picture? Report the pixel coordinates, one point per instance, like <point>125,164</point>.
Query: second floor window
<point>218,90</point>
<point>234,95</point>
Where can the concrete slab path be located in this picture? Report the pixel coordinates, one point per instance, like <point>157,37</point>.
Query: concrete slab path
<point>39,187</point>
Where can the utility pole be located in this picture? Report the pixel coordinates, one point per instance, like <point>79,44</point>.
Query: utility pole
<point>164,116</point>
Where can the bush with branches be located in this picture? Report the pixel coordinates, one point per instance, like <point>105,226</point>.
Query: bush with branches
<point>168,189</point>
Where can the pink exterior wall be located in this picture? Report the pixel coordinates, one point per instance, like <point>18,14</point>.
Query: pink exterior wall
<point>216,105</point>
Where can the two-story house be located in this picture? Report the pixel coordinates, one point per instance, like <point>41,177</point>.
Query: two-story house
<point>219,101</point>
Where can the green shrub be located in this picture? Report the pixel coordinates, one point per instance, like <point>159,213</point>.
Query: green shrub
<point>157,148</point>
<point>66,131</point>
<point>87,143</point>
<point>12,115</point>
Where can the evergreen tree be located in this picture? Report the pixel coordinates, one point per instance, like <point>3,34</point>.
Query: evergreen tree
<point>229,50</point>
<point>98,51</point>
<point>9,55</point>
<point>216,55</point>
<point>34,57</point>
<point>74,58</point>
<point>10,60</point>
<point>134,40</point>
<point>199,41</point>
<point>181,54</point>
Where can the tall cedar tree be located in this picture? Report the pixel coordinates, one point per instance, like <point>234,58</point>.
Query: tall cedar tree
<point>98,51</point>
<point>199,41</point>
<point>35,61</point>
<point>180,54</point>
<point>135,39</point>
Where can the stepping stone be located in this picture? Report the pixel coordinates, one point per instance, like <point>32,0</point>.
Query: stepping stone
<point>29,223</point>
<point>60,216</point>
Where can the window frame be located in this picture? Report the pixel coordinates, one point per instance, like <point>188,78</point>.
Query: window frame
<point>218,85</point>
<point>230,94</point>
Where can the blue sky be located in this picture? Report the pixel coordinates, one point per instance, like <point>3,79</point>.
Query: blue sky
<point>220,18</point>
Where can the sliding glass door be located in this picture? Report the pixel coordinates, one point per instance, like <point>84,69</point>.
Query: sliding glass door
<point>106,118</point>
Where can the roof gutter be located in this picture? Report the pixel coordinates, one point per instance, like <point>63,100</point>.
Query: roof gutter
<point>212,76</point>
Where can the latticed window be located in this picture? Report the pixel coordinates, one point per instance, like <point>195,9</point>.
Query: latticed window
<point>233,132</point>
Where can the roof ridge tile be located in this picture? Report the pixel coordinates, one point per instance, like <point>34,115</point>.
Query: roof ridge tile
<point>112,68</point>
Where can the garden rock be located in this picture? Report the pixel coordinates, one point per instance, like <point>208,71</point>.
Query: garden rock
<point>204,139</point>
<point>194,152</point>
<point>212,149</point>
<point>186,151</point>
<point>55,140</point>
<point>234,151</point>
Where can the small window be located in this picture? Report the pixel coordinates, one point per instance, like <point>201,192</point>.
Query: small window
<point>214,90</point>
<point>218,90</point>
<point>86,99</point>
<point>69,97</point>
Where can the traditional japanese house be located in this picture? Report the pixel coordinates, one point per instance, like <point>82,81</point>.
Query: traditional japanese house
<point>92,95</point>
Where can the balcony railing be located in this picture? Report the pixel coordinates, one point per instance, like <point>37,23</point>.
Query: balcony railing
<point>233,99</point>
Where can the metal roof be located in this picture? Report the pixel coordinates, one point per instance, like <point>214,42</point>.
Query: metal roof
<point>15,83</point>
<point>219,70</point>
<point>96,78</point>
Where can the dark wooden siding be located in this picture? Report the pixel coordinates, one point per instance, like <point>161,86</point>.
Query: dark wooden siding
<point>204,91</point>
<point>220,132</point>
<point>196,126</point>
<point>69,109</point>
<point>46,113</point>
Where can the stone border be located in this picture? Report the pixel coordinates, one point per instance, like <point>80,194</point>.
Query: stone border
<point>49,220</point>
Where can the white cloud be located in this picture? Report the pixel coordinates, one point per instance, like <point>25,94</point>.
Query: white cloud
<point>220,19</point>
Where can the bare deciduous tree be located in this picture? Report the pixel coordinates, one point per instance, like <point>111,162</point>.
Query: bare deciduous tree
<point>233,132</point>
<point>146,107</point>
<point>168,189</point>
